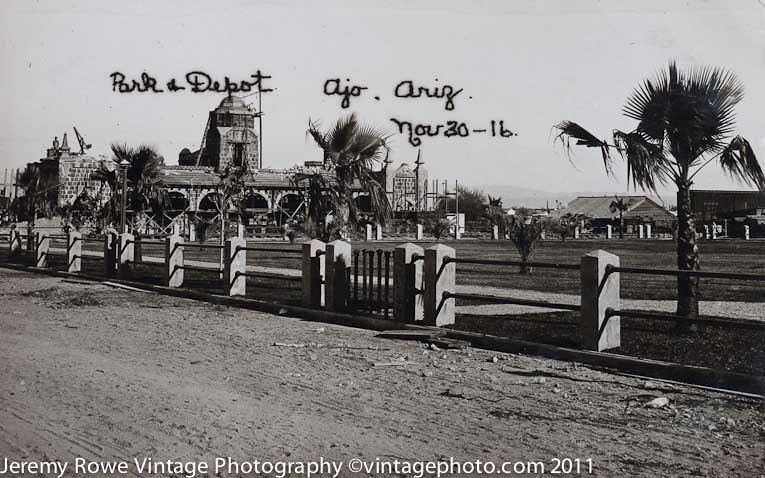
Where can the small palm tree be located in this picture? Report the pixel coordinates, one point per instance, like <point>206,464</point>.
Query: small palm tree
<point>109,178</point>
<point>350,153</point>
<point>620,205</point>
<point>685,121</point>
<point>40,185</point>
<point>525,231</point>
<point>145,190</point>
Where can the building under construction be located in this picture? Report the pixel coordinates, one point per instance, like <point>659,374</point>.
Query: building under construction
<point>230,138</point>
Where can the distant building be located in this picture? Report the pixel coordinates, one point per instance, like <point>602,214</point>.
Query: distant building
<point>732,209</point>
<point>273,196</point>
<point>709,205</point>
<point>75,171</point>
<point>640,210</point>
<point>406,187</point>
<point>229,138</point>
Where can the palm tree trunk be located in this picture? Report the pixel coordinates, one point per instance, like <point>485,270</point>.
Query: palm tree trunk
<point>621,224</point>
<point>687,258</point>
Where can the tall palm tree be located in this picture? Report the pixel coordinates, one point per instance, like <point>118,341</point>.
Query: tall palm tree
<point>350,153</point>
<point>620,205</point>
<point>685,121</point>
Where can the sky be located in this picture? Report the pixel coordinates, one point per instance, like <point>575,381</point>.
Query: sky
<point>528,63</point>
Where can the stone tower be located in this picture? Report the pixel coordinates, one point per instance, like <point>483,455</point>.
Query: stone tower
<point>230,137</point>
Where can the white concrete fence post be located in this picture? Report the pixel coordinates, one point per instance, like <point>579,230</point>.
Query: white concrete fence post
<point>192,233</point>
<point>14,246</point>
<point>407,285</point>
<point>576,232</point>
<point>313,273</point>
<point>338,264</point>
<point>42,246</point>
<point>439,278</point>
<point>234,266</point>
<point>495,232</point>
<point>125,254</point>
<point>418,235</point>
<point>641,232</point>
<point>378,232</point>
<point>648,231</point>
<point>600,292</point>
<point>240,230</point>
<point>174,261</point>
<point>368,236</point>
<point>176,229</point>
<point>609,231</point>
<point>74,251</point>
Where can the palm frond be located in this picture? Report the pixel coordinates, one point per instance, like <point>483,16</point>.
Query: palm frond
<point>693,110</point>
<point>569,130</point>
<point>341,137</point>
<point>646,163</point>
<point>738,160</point>
<point>316,134</point>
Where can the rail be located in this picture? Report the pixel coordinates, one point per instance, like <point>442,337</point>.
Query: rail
<point>639,314</point>
<point>676,272</point>
<point>492,262</point>
<point>199,269</point>
<point>199,246</point>
<point>269,249</point>
<point>266,275</point>
<point>510,300</point>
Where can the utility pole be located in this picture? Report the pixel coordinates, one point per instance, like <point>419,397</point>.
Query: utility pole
<point>123,166</point>
<point>456,209</point>
<point>260,126</point>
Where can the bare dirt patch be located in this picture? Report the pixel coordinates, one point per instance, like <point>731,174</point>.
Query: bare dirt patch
<point>147,375</point>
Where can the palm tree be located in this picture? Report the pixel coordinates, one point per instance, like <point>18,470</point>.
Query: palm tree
<point>685,121</point>
<point>110,181</point>
<point>144,169</point>
<point>525,231</point>
<point>619,204</point>
<point>350,153</point>
<point>40,185</point>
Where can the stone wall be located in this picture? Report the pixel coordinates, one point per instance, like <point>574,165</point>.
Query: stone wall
<point>75,175</point>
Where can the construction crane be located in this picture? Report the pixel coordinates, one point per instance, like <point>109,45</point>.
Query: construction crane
<point>81,140</point>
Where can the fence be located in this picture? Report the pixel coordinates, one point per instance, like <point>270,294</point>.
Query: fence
<point>409,284</point>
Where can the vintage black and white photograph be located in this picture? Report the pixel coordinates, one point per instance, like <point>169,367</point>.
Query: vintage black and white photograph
<point>411,239</point>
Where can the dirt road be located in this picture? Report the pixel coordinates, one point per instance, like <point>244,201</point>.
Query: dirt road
<point>107,374</point>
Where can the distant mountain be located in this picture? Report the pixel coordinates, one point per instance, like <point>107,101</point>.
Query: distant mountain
<point>514,196</point>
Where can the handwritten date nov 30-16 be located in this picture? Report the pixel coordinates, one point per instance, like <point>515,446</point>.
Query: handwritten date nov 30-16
<point>450,129</point>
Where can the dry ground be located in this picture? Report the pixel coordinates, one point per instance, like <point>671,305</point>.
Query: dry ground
<point>105,373</point>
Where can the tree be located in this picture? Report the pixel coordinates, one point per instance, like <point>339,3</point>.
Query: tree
<point>620,205</point>
<point>438,227</point>
<point>231,192</point>
<point>40,185</point>
<point>685,121</point>
<point>350,153</point>
<point>81,213</point>
<point>496,215</point>
<point>525,231</point>
<point>472,203</point>
<point>111,184</point>
<point>145,191</point>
